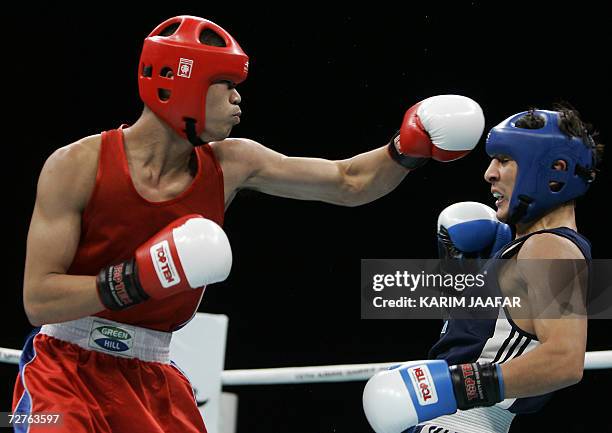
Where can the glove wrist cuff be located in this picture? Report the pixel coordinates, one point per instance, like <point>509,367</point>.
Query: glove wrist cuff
<point>118,286</point>
<point>406,161</point>
<point>476,385</point>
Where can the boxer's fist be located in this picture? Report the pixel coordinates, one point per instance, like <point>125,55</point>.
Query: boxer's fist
<point>470,230</point>
<point>444,127</point>
<point>419,391</point>
<point>189,253</point>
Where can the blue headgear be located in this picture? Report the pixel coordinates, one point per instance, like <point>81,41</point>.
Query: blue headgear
<point>535,151</point>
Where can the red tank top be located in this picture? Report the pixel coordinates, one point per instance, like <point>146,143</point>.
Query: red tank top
<point>117,220</point>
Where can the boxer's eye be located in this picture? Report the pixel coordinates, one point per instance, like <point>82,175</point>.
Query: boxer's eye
<point>502,159</point>
<point>230,84</point>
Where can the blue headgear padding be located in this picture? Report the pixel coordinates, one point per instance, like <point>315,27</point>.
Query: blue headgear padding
<point>535,151</point>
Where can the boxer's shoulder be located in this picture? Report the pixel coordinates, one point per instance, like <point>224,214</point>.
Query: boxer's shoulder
<point>72,168</point>
<point>549,246</point>
<point>234,149</point>
<point>79,155</point>
<point>239,158</point>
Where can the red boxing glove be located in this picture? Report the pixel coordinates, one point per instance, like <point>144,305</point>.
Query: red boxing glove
<point>189,253</point>
<point>444,127</point>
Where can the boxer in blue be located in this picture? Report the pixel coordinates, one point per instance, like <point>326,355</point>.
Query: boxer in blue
<point>481,373</point>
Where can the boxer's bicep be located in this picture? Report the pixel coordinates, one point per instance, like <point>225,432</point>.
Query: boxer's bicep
<point>63,189</point>
<point>300,178</point>
<point>294,177</point>
<point>556,276</point>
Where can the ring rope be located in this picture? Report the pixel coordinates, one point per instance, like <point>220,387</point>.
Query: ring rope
<point>323,373</point>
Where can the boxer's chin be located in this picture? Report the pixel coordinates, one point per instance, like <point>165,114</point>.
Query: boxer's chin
<point>503,211</point>
<point>217,133</point>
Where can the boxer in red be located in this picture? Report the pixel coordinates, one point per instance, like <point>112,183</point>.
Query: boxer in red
<point>125,233</point>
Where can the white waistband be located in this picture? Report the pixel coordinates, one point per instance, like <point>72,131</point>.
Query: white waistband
<point>491,419</point>
<point>114,338</point>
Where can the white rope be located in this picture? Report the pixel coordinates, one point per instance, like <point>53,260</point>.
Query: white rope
<point>323,373</point>
<point>351,372</point>
<point>9,356</point>
<point>598,360</point>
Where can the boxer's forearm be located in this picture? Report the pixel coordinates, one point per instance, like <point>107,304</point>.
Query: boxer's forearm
<point>58,298</point>
<point>545,369</point>
<point>349,182</point>
<point>374,174</point>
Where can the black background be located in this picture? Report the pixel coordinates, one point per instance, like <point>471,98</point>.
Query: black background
<point>327,84</point>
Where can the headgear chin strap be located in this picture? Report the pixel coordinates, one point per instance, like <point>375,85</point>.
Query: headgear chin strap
<point>177,68</point>
<point>535,152</point>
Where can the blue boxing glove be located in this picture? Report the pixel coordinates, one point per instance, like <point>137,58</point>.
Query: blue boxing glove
<point>470,230</point>
<point>419,391</point>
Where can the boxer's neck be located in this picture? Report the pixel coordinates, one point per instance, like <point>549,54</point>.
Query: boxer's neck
<point>562,216</point>
<point>151,145</point>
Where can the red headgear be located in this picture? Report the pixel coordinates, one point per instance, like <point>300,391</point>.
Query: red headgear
<point>176,69</point>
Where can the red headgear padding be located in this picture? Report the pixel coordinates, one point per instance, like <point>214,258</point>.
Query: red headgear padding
<point>176,69</point>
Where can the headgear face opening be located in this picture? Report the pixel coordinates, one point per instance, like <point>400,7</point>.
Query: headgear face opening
<point>176,69</point>
<point>535,152</point>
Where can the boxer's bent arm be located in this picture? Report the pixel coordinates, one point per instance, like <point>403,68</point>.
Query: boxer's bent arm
<point>558,361</point>
<point>64,186</point>
<point>350,182</point>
